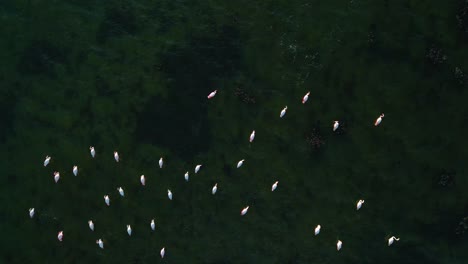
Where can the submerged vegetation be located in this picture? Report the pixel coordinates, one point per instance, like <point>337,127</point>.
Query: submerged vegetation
<point>133,76</point>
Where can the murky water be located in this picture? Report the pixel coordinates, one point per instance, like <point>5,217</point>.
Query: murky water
<point>133,76</point>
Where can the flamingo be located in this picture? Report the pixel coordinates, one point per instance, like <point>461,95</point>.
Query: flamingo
<point>60,236</point>
<point>274,186</point>
<point>305,98</point>
<point>392,239</point>
<point>197,168</point>
<point>359,204</point>
<point>336,124</point>
<point>56,176</point>
<point>121,191</point>
<point>92,151</point>
<point>239,164</point>
<point>142,180</point>
<point>107,200</point>
<point>91,225</point>
<point>46,161</point>
<point>245,210</point>
<point>252,136</point>
<point>283,112</point>
<point>31,212</point>
<point>339,244</point>
<point>378,120</point>
<point>100,243</point>
<point>317,229</point>
<point>212,94</point>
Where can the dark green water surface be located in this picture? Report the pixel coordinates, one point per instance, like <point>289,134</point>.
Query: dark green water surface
<point>133,76</point>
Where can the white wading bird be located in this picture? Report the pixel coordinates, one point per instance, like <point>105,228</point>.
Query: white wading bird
<point>162,252</point>
<point>129,230</point>
<point>91,150</point>
<point>197,168</point>
<point>107,200</point>
<point>359,204</point>
<point>75,170</point>
<point>317,229</point>
<point>116,156</point>
<point>215,188</point>
<point>142,180</point>
<point>100,243</point>
<point>283,112</point>
<point>31,212</point>
<point>60,236</point>
<point>305,98</point>
<point>274,186</point>
<point>46,161</point>
<point>121,191</point>
<point>378,120</point>
<point>339,244</point>
<point>252,136</point>
<point>161,162</point>
<point>212,94</point>
<point>336,124</point>
<point>391,240</point>
<point>56,176</point>
<point>153,225</point>
<point>186,176</point>
<point>245,210</point>
<point>91,225</point>
<point>169,194</point>
<point>239,164</point>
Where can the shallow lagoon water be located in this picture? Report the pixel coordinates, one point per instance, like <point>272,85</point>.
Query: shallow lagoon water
<point>133,76</point>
